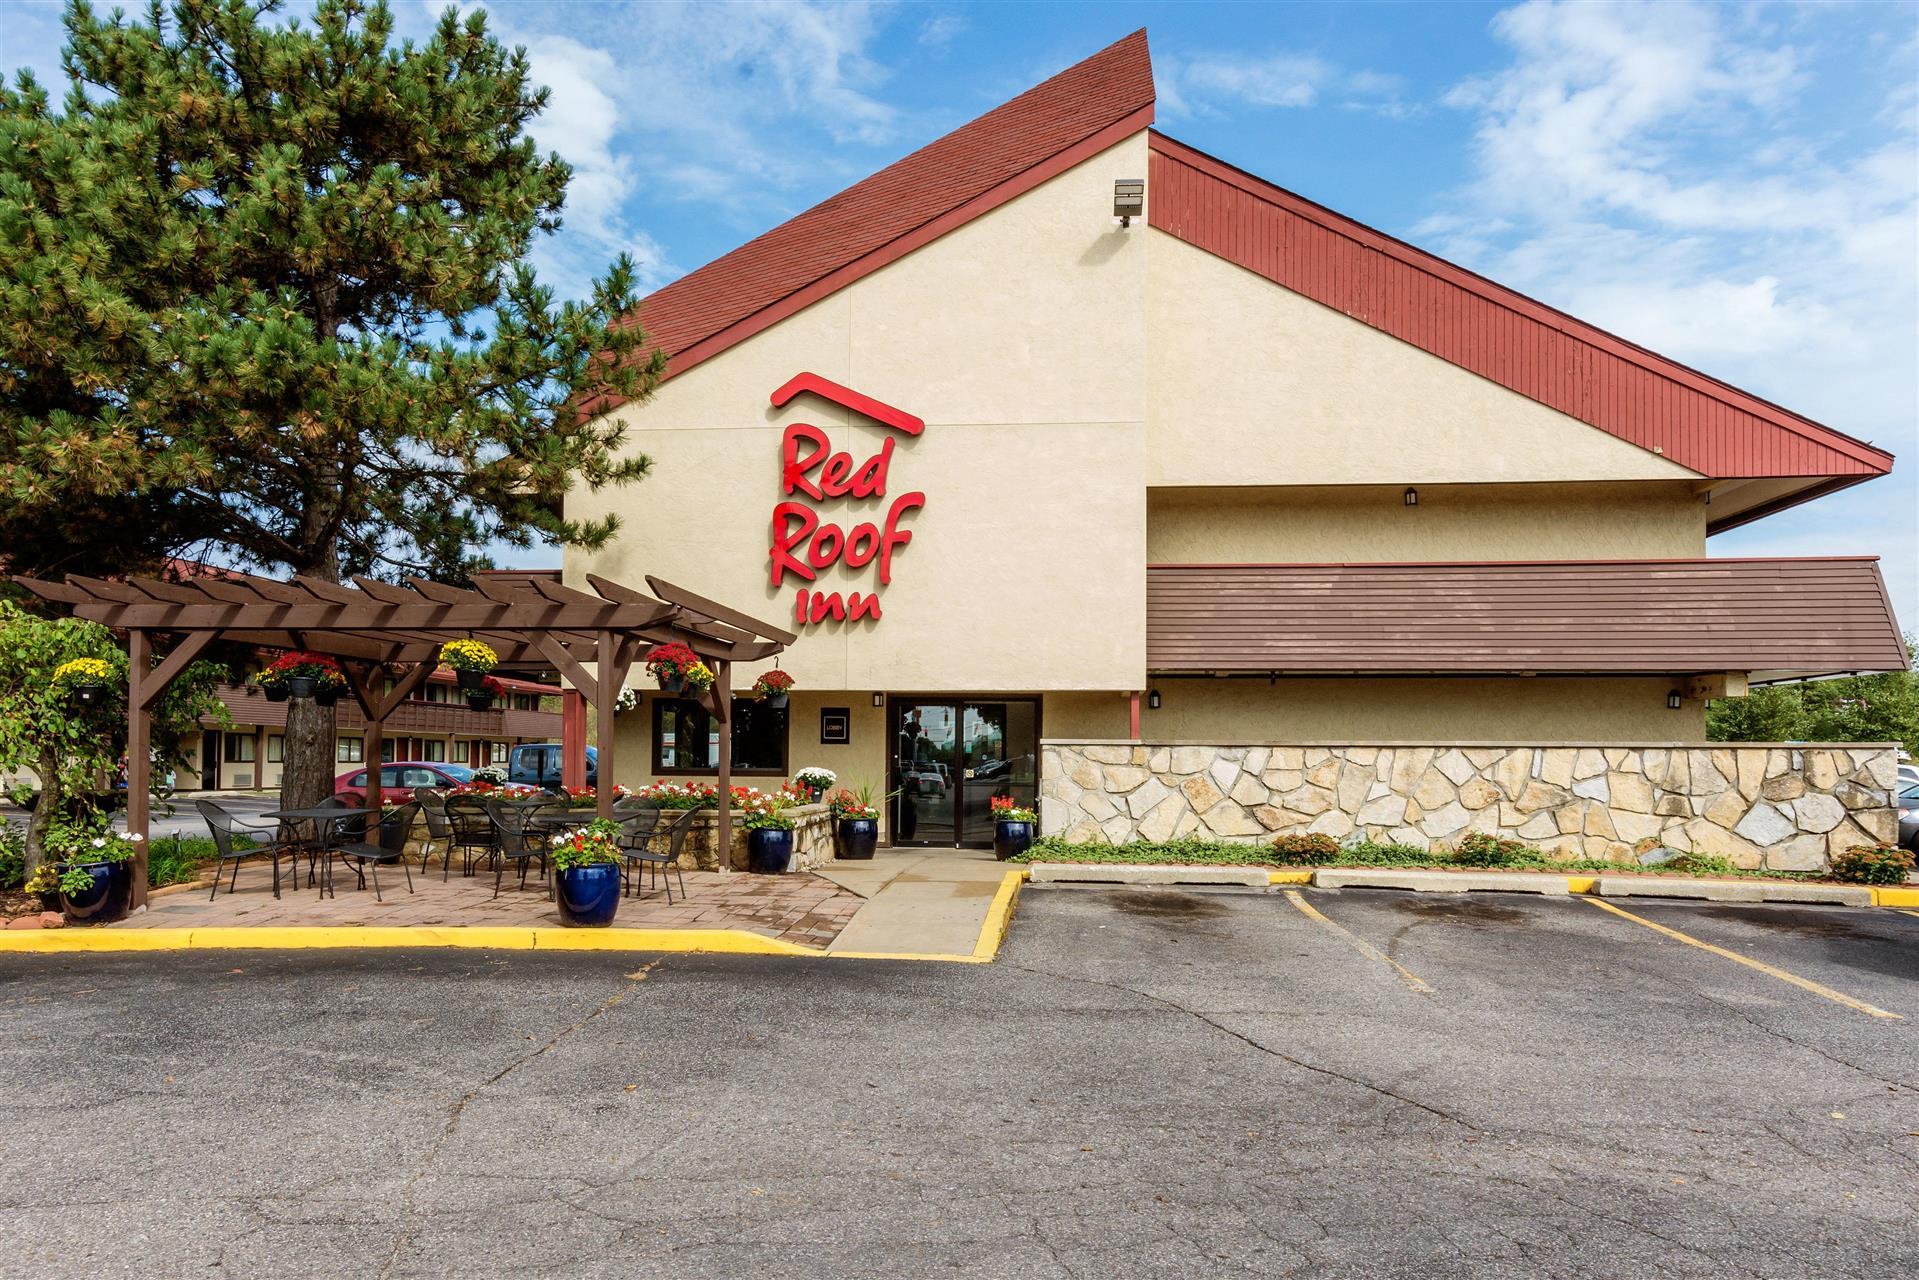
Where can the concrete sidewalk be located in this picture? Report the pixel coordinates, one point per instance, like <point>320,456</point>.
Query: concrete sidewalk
<point>919,901</point>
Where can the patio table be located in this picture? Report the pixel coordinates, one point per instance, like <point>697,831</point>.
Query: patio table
<point>319,816</point>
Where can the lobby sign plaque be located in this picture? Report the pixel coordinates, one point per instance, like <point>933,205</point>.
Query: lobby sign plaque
<point>812,474</point>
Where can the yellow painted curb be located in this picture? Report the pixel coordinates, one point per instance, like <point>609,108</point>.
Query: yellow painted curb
<point>1582,884</point>
<point>1895,896</point>
<point>491,937</point>
<point>1303,875</point>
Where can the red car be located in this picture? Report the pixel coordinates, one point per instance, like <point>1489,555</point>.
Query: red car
<point>401,775</point>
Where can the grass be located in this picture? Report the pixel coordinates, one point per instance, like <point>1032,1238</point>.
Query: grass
<point>1369,854</point>
<point>178,859</point>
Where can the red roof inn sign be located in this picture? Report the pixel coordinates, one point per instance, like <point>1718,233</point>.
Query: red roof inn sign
<point>810,469</point>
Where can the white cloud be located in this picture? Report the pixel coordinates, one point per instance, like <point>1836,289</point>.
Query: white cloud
<point>1210,84</point>
<point>938,31</point>
<point>1657,170</point>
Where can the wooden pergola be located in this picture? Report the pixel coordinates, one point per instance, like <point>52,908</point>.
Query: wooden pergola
<point>373,628</point>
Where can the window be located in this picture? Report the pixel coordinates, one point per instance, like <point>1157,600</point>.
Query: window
<point>386,750</point>
<point>276,748</point>
<point>525,702</point>
<point>349,750</point>
<point>433,749</point>
<point>239,748</point>
<point>685,740</point>
<point>498,754</point>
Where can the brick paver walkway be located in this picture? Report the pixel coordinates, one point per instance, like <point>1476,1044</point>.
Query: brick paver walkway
<point>798,907</point>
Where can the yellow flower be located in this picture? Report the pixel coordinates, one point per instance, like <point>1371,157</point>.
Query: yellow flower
<point>84,671</point>
<point>469,655</point>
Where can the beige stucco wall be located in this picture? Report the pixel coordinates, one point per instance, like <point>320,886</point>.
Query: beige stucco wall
<point>1018,339</point>
<point>1315,523</point>
<point>1518,709</point>
<point>1254,385</point>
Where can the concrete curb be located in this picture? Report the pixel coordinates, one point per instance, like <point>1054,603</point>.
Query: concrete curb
<point>1441,881</point>
<point>1128,873</point>
<point>992,935</point>
<point>1839,895</point>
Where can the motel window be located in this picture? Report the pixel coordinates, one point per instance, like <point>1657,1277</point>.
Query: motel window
<point>276,748</point>
<point>433,750</point>
<point>685,740</point>
<point>239,748</point>
<point>498,754</point>
<point>349,750</point>
<point>386,751</point>
<point>525,702</point>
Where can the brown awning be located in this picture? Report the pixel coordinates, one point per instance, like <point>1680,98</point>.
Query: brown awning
<point>1776,619</point>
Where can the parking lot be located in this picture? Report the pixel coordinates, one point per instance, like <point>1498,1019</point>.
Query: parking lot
<point>1146,1083</point>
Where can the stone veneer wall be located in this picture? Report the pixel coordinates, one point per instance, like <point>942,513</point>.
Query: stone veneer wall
<point>1777,806</point>
<point>812,839</point>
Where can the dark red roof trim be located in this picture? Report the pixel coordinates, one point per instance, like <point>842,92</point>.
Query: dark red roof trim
<point>1499,334</point>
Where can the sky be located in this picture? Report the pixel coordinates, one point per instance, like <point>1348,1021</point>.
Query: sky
<point>1734,186</point>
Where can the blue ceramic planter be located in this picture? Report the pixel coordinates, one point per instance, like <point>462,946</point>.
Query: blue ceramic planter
<point>1011,838</point>
<point>588,896</point>
<point>107,899</point>
<point>768,851</point>
<point>858,838</point>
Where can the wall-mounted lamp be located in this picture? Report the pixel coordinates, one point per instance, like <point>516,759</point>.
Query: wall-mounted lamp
<point>1674,701</point>
<point>1412,497</point>
<point>879,699</point>
<point>1129,199</point>
<point>1152,699</point>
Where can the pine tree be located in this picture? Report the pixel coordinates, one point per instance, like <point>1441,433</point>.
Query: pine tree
<point>264,284</point>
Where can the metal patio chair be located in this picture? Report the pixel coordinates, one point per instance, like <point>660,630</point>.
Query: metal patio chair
<point>224,827</point>
<point>388,846</point>
<point>439,829</point>
<point>675,835</point>
<point>520,840</point>
<point>637,826</point>
<point>473,835</point>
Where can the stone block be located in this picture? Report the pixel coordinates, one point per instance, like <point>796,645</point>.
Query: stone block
<point>1513,771</point>
<point>1847,835</point>
<point>1555,765</point>
<point>1085,831</point>
<point>1434,791</point>
<point>1109,755</point>
<point>1854,796</point>
<point>1629,791</point>
<point>1385,811</point>
<point>1589,763</point>
<point>1142,801</point>
<point>1751,766</point>
<point>1227,820</point>
<point>1446,820</point>
<point>1274,819</point>
<point>1599,823</point>
<point>1818,813</point>
<point>1721,843</point>
<point>1223,771</point>
<point>1097,805</point>
<point>1477,793</point>
<point>1117,829</point>
<point>1594,788</point>
<point>1159,824</point>
<point>1822,770</point>
<point>1333,823</point>
<point>1787,786</point>
<point>1765,824</point>
<point>1541,795</point>
<point>1325,773</point>
<point>1187,760</point>
<point>1540,826</point>
<point>1880,767</point>
<point>1247,791</point>
<point>1880,824</point>
<point>1255,762</point>
<point>1200,792</point>
<point>1801,853</point>
<point>1409,764</point>
<point>1483,756</point>
<point>1124,778</point>
<point>1355,781</point>
<point>1670,805</point>
<point>1308,800</point>
<point>1455,766</point>
<point>1568,819</point>
<point>1706,780</point>
<point>1085,774</point>
<point>1188,823</point>
<point>1161,761</point>
<point>1636,826</point>
<point>1727,808</point>
<point>1282,779</point>
<point>1362,755</point>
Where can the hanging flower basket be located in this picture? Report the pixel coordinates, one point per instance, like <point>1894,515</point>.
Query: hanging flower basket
<point>772,688</point>
<point>678,669</point>
<point>481,697</point>
<point>470,660</point>
<point>87,682</point>
<point>306,675</point>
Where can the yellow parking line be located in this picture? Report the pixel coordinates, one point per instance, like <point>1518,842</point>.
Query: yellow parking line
<point>1359,944</point>
<point>1837,997</point>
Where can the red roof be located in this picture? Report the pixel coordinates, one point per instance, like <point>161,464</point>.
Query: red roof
<point>1503,336</point>
<point>975,168</point>
<point>1773,617</point>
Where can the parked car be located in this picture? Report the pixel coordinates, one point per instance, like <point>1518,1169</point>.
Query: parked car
<point>1909,775</point>
<point>1909,817</point>
<point>537,764</point>
<point>401,775</point>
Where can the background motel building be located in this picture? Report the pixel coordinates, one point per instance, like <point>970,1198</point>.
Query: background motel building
<point>1232,471</point>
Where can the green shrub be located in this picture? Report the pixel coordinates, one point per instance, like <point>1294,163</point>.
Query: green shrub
<point>1483,849</point>
<point>1309,850</point>
<point>1187,852</point>
<point>1371,853</point>
<point>13,856</point>
<point>178,859</point>
<point>1872,864</point>
<point>1700,864</point>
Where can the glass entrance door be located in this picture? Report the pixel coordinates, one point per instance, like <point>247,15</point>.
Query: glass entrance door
<point>951,757</point>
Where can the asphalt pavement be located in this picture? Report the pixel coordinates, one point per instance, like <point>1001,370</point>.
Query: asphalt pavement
<point>1146,1083</point>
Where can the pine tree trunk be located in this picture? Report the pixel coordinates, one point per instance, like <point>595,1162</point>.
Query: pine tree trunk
<point>306,778</point>
<point>52,797</point>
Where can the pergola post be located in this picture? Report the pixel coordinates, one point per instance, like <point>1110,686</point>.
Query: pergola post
<point>723,716</point>
<point>139,739</point>
<point>608,676</point>
<point>573,738</point>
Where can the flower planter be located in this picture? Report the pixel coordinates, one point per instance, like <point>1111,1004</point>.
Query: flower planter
<point>88,695</point>
<point>858,838</point>
<point>469,680</point>
<point>326,695</point>
<point>1011,838</point>
<point>108,898</point>
<point>274,692</point>
<point>768,850</point>
<point>673,685</point>
<point>775,701</point>
<point>301,686</point>
<point>587,896</point>
<point>479,701</point>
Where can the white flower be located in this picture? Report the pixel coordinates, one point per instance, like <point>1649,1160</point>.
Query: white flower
<point>99,842</point>
<point>137,839</point>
